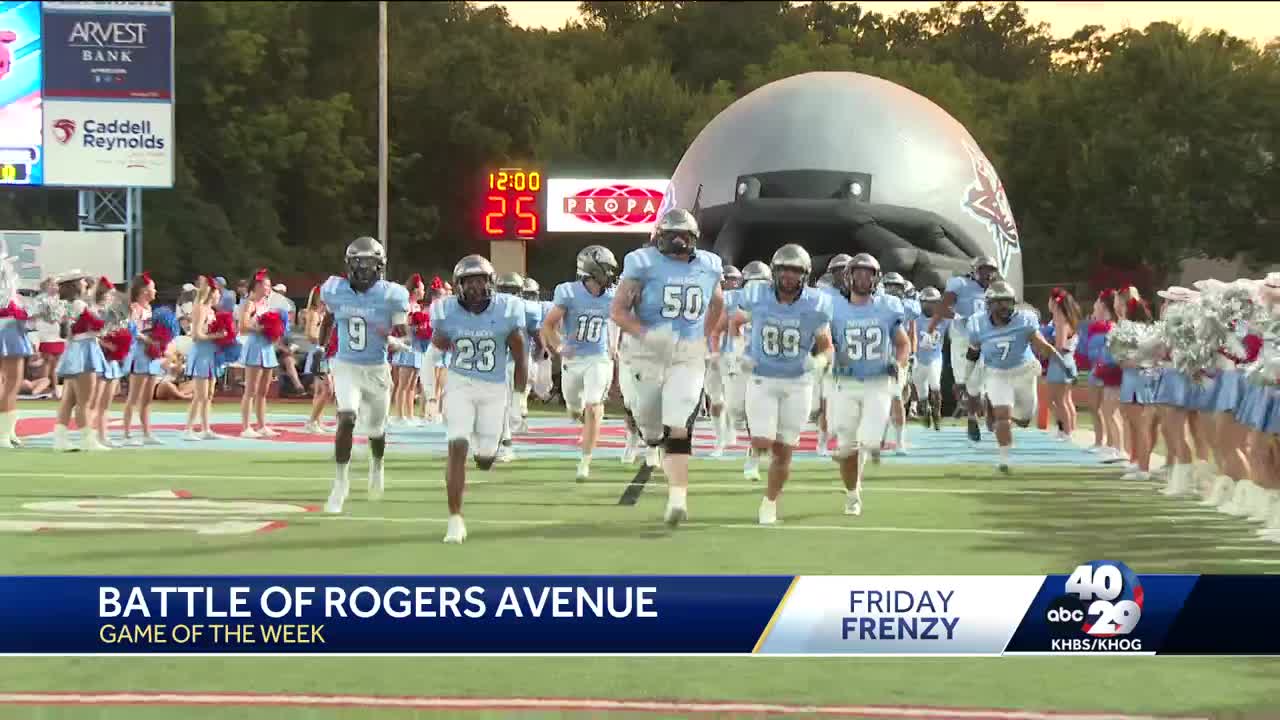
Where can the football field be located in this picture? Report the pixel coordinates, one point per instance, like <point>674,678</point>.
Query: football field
<point>251,507</point>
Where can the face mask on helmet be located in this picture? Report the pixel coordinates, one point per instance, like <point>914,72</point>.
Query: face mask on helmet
<point>895,290</point>
<point>675,242</point>
<point>788,279</point>
<point>985,275</point>
<point>862,281</point>
<point>1002,310</point>
<point>475,292</point>
<point>363,272</point>
<point>928,308</point>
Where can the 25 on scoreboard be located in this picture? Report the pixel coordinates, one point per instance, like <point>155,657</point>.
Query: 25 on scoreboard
<point>511,206</point>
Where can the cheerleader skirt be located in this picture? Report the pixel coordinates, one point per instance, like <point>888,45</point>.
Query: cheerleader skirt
<point>1056,375</point>
<point>259,352</point>
<point>140,363</point>
<point>1254,406</point>
<point>1138,386</point>
<point>1173,388</point>
<point>1228,391</point>
<point>1272,425</point>
<point>316,363</point>
<point>13,338</point>
<point>406,358</point>
<point>201,363</point>
<point>112,370</point>
<point>82,356</point>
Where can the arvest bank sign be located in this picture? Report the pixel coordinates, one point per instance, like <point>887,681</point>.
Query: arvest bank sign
<point>603,205</point>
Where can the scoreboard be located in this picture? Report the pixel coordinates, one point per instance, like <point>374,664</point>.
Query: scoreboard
<point>511,206</point>
<point>21,94</point>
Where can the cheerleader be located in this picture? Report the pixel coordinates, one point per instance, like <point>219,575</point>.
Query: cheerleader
<point>1106,376</point>
<point>321,333</point>
<point>407,363</point>
<point>432,378</point>
<point>1137,392</point>
<point>201,365</point>
<point>143,370</point>
<point>115,344</point>
<point>1174,406</point>
<point>1230,438</point>
<point>49,333</point>
<point>78,369</point>
<point>259,357</point>
<point>1251,415</point>
<point>15,348</point>
<point>1064,313</point>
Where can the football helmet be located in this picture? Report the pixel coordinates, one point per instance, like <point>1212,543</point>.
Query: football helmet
<point>676,233</point>
<point>366,263</point>
<point>862,261</point>
<point>532,290</point>
<point>598,263</point>
<point>756,271</point>
<point>732,279</point>
<point>1001,301</point>
<point>791,257</point>
<point>510,283</point>
<point>985,270</point>
<point>473,296</point>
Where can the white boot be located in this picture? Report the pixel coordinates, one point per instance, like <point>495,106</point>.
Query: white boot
<point>768,514</point>
<point>1171,485</point>
<point>341,488</point>
<point>1273,520</point>
<point>456,531</point>
<point>62,439</point>
<point>1219,491</point>
<point>1184,482</point>
<point>1260,505</point>
<point>1237,504</point>
<point>8,420</point>
<point>89,441</point>
<point>376,479</point>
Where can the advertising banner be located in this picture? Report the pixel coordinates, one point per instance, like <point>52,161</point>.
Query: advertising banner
<point>108,144</point>
<point>96,55</point>
<point>603,205</point>
<point>41,253</point>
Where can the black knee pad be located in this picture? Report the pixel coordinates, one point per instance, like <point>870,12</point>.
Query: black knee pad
<point>1022,423</point>
<point>346,417</point>
<point>484,463</point>
<point>683,446</point>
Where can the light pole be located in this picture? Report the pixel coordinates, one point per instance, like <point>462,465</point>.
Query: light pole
<point>382,125</point>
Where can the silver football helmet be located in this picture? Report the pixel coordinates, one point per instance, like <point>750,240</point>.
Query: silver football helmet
<point>598,263</point>
<point>791,257</point>
<point>676,233</point>
<point>366,263</point>
<point>470,295</point>
<point>862,261</point>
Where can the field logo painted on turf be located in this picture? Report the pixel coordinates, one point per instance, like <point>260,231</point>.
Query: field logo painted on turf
<point>163,510</point>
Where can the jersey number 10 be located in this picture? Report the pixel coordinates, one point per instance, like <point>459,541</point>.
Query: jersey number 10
<point>589,329</point>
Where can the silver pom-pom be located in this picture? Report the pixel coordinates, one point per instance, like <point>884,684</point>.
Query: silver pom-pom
<point>1134,342</point>
<point>48,308</point>
<point>1196,331</point>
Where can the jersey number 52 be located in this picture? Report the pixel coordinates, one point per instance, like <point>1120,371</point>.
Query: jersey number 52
<point>863,343</point>
<point>679,301</point>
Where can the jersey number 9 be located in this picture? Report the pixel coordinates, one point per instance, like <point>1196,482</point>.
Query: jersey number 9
<point>775,341</point>
<point>863,343</point>
<point>679,301</point>
<point>357,335</point>
<point>478,355</point>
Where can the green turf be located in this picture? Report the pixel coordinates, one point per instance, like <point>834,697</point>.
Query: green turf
<point>532,518</point>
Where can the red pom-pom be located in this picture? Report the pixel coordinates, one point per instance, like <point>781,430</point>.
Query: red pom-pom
<point>331,347</point>
<point>224,322</point>
<point>421,322</point>
<point>272,325</point>
<point>115,344</point>
<point>1110,375</point>
<point>1100,327</point>
<point>87,322</point>
<point>14,310</point>
<point>160,339</point>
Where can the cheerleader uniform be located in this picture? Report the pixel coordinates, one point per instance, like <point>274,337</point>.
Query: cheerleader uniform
<point>83,354</point>
<point>1057,374</point>
<point>259,352</point>
<point>139,362</point>
<point>1105,372</point>
<point>1138,385</point>
<point>1254,403</point>
<point>14,341</point>
<point>407,358</point>
<point>202,362</point>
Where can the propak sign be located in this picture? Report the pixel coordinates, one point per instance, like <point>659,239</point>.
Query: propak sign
<point>41,253</point>
<point>603,205</point>
<point>108,144</point>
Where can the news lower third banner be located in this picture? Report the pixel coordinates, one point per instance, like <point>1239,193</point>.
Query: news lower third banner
<point>1100,607</point>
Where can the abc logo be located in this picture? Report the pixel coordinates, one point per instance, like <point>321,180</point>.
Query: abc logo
<point>1066,616</point>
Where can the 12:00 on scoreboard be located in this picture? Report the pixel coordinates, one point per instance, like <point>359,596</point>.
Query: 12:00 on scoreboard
<point>511,204</point>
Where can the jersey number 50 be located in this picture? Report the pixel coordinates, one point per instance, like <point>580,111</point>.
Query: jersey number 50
<point>863,343</point>
<point>478,355</point>
<point>679,301</point>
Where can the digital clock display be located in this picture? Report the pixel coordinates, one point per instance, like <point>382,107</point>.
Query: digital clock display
<point>512,204</point>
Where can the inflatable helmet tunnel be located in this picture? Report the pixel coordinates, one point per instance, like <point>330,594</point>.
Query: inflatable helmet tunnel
<point>844,163</point>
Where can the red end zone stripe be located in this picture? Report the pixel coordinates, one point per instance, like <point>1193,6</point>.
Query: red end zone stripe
<point>545,704</point>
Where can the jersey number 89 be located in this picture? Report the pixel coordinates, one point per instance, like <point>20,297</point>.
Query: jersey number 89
<point>775,341</point>
<point>478,355</point>
<point>679,301</point>
<point>863,343</point>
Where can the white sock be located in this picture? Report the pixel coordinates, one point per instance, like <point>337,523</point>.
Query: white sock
<point>823,440</point>
<point>897,434</point>
<point>676,496</point>
<point>1004,454</point>
<point>343,472</point>
<point>8,421</point>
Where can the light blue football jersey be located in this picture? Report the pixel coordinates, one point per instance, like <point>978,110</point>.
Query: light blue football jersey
<point>731,306</point>
<point>364,319</point>
<point>479,339</point>
<point>1004,347</point>
<point>782,334</point>
<point>673,292</point>
<point>586,318</point>
<point>929,344</point>
<point>863,335</point>
<point>970,296</point>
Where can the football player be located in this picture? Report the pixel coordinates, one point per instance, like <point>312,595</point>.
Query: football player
<point>896,286</point>
<point>834,286</point>
<point>963,299</point>
<point>511,284</point>
<point>484,332</point>
<point>871,353</point>
<point>670,300</point>
<point>790,345</point>
<point>716,376</point>
<point>1002,337</point>
<point>927,375</point>
<point>586,350</point>
<point>367,310</point>
<point>731,360</point>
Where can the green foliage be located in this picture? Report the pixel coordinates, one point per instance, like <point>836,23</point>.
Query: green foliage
<point>1147,145</point>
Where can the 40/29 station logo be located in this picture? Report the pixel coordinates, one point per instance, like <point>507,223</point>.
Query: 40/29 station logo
<point>1100,606</point>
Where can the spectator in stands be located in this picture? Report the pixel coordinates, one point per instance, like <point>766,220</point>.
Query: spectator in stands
<point>36,381</point>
